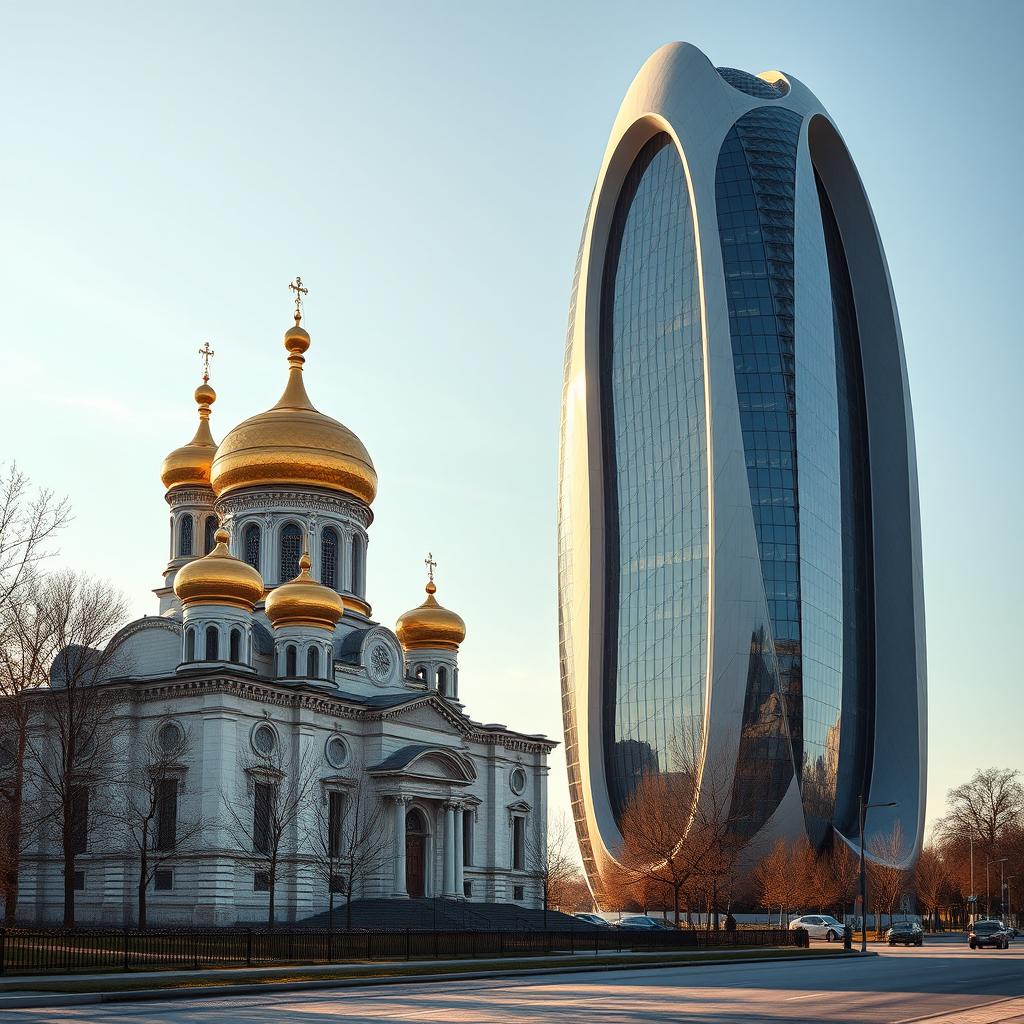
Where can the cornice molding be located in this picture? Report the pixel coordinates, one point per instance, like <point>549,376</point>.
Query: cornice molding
<point>241,502</point>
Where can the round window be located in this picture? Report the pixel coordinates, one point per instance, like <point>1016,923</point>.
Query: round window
<point>380,662</point>
<point>264,740</point>
<point>518,780</point>
<point>337,752</point>
<point>169,738</point>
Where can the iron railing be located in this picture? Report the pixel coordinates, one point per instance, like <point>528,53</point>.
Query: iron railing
<point>26,950</point>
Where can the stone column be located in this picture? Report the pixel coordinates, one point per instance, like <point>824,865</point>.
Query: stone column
<point>398,816</point>
<point>460,886</point>
<point>449,849</point>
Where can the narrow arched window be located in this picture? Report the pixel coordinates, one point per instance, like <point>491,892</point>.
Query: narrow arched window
<point>290,661</point>
<point>212,644</point>
<point>236,645</point>
<point>357,565</point>
<point>185,537</point>
<point>251,545</point>
<point>442,681</point>
<point>291,548</point>
<point>329,558</point>
<point>421,673</point>
<point>209,529</point>
<point>313,663</point>
<point>190,645</point>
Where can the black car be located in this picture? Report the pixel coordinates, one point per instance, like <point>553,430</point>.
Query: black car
<point>906,932</point>
<point>988,933</point>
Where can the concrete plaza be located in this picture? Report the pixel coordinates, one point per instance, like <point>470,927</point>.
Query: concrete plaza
<point>943,982</point>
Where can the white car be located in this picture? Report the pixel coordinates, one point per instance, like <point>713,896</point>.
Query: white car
<point>819,926</point>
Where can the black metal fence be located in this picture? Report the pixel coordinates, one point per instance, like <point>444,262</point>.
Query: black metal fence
<point>25,951</point>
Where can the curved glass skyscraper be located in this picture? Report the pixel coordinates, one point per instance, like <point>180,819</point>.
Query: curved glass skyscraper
<point>738,540</point>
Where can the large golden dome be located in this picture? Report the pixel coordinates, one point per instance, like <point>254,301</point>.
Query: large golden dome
<point>430,625</point>
<point>304,602</point>
<point>219,578</point>
<point>294,444</point>
<point>189,466</point>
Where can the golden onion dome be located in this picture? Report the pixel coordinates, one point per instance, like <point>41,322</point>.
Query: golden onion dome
<point>219,578</point>
<point>294,444</point>
<point>430,625</point>
<point>304,602</point>
<point>189,466</point>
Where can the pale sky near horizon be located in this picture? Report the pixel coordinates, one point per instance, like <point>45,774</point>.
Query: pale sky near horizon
<point>426,169</point>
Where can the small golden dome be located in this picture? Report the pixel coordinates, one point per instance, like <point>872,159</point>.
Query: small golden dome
<point>294,444</point>
<point>304,602</point>
<point>219,578</point>
<point>430,625</point>
<point>189,466</point>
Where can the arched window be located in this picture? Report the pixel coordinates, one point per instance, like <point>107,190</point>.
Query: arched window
<point>190,645</point>
<point>442,681</point>
<point>290,661</point>
<point>291,548</point>
<point>185,536</point>
<point>212,643</point>
<point>313,663</point>
<point>209,529</point>
<point>421,673</point>
<point>251,546</point>
<point>236,645</point>
<point>329,558</point>
<point>357,565</point>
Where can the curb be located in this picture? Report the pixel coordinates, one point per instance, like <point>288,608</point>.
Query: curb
<point>42,1000</point>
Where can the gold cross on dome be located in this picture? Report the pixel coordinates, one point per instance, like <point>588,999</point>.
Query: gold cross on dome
<point>431,565</point>
<point>206,352</point>
<point>296,286</point>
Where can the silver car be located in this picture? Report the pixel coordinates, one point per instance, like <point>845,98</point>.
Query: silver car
<point>819,926</point>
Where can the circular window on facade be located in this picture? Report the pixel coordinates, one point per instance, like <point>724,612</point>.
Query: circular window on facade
<point>336,751</point>
<point>264,739</point>
<point>380,663</point>
<point>169,738</point>
<point>517,780</point>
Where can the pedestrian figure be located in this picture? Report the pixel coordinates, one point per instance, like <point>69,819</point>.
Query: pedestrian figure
<point>730,922</point>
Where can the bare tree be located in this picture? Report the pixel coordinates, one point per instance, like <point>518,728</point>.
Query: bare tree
<point>349,838</point>
<point>931,880</point>
<point>985,807</point>
<point>653,825</point>
<point>778,884</point>
<point>146,809</point>
<point>28,521</point>
<point>75,619</point>
<point>550,857</point>
<point>263,817</point>
<point>888,881</point>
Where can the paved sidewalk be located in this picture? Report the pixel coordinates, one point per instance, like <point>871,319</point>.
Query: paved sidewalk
<point>367,974</point>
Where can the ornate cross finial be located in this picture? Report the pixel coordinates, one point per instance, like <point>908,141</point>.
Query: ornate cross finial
<point>296,286</point>
<point>206,352</point>
<point>431,565</point>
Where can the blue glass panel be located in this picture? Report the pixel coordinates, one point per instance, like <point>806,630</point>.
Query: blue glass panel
<point>656,501</point>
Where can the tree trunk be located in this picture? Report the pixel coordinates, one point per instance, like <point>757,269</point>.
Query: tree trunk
<point>143,871</point>
<point>675,900</point>
<point>69,886</point>
<point>273,887</point>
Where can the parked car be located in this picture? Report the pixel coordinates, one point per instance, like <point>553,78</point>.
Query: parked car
<point>642,923</point>
<point>908,933</point>
<point>988,933</point>
<point>594,920</point>
<point>819,926</point>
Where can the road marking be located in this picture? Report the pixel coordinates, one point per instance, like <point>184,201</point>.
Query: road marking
<point>979,1013</point>
<point>808,995</point>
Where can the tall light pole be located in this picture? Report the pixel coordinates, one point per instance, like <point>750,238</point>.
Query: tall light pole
<point>1009,879</point>
<point>988,897</point>
<point>863,875</point>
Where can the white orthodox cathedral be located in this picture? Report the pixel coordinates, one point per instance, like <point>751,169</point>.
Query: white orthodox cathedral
<point>265,642</point>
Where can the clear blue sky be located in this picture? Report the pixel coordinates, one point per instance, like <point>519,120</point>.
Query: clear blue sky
<point>425,168</point>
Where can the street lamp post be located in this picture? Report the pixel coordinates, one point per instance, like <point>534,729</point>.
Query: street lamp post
<point>863,875</point>
<point>1009,915</point>
<point>988,895</point>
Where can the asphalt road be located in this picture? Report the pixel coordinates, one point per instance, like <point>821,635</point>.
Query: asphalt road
<point>944,982</point>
